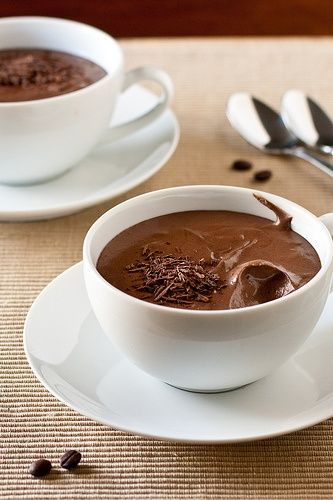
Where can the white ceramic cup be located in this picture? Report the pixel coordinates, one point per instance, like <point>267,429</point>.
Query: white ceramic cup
<point>43,138</point>
<point>207,350</point>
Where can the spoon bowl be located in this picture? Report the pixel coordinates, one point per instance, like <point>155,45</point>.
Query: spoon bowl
<point>307,120</point>
<point>260,125</point>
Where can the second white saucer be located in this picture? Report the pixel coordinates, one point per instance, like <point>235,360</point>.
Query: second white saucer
<point>76,362</point>
<point>107,172</point>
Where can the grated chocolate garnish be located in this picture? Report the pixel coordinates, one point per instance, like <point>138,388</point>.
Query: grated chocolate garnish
<point>29,70</point>
<point>177,280</point>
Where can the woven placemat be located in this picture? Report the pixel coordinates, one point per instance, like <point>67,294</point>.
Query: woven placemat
<point>119,465</point>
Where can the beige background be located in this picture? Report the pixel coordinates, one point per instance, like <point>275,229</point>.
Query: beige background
<point>114,465</point>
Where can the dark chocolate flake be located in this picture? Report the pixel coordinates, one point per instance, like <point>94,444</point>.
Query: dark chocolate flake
<point>173,279</point>
<point>30,70</point>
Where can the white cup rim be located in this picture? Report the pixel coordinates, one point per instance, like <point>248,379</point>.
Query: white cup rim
<point>67,95</point>
<point>87,258</point>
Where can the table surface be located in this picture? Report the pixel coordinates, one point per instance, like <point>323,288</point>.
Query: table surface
<point>115,464</point>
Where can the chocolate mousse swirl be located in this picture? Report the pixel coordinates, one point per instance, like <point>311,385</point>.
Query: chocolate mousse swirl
<point>283,220</point>
<point>210,259</point>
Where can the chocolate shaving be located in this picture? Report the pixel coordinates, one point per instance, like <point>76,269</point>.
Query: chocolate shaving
<point>29,70</point>
<point>175,279</point>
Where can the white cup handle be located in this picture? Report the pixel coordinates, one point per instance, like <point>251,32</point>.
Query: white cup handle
<point>327,220</point>
<point>131,77</point>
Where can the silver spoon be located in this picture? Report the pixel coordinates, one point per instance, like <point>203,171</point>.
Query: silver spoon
<point>307,120</point>
<point>263,128</point>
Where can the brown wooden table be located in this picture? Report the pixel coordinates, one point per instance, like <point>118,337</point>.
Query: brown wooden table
<point>137,18</point>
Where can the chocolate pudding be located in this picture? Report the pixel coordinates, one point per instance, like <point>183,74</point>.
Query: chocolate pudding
<point>209,259</point>
<point>29,74</point>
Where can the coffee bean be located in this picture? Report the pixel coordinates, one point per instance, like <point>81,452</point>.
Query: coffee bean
<point>262,175</point>
<point>70,459</point>
<point>241,165</point>
<point>40,468</point>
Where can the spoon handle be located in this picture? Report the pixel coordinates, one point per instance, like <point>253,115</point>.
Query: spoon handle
<point>315,159</point>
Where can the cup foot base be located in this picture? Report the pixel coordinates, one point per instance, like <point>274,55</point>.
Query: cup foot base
<point>209,391</point>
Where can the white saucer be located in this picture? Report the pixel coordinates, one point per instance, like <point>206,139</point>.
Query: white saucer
<point>76,362</point>
<point>105,173</point>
